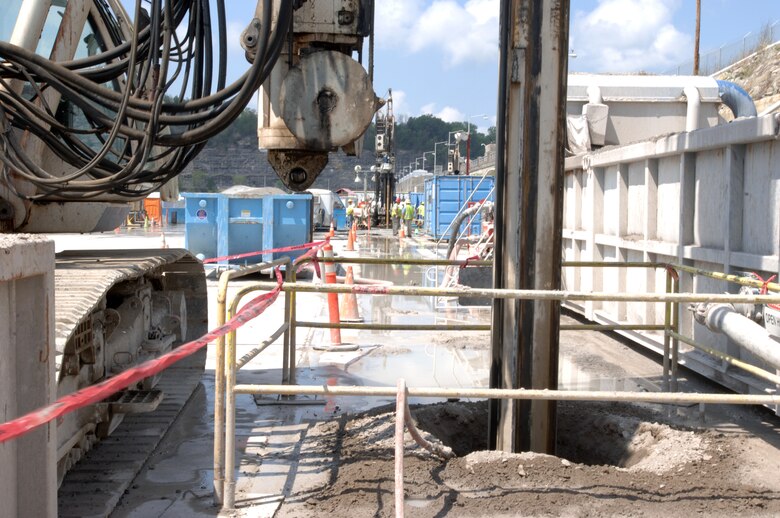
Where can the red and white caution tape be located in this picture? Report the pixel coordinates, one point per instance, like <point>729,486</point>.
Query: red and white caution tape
<point>96,393</point>
<point>263,252</point>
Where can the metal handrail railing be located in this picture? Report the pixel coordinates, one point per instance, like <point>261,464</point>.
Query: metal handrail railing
<point>220,374</point>
<point>671,298</point>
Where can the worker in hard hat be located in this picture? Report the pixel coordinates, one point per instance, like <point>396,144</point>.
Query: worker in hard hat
<point>395,215</point>
<point>350,214</point>
<point>421,214</point>
<point>408,215</point>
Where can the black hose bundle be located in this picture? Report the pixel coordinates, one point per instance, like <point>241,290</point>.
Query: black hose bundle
<point>149,104</point>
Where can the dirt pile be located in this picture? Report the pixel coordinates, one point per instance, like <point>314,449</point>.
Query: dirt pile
<point>614,460</point>
<point>759,76</point>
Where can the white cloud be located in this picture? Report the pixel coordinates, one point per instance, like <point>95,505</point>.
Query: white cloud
<point>628,36</point>
<point>460,32</point>
<point>400,104</point>
<point>447,114</point>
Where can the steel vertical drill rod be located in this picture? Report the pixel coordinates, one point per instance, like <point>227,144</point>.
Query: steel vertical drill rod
<point>525,341</point>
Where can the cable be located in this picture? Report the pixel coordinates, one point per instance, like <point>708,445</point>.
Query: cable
<point>130,136</point>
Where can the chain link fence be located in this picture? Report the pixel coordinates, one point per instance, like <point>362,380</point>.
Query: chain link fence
<point>728,54</point>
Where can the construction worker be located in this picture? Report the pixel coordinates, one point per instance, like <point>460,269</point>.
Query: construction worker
<point>421,214</point>
<point>395,215</point>
<point>408,216</point>
<point>350,214</point>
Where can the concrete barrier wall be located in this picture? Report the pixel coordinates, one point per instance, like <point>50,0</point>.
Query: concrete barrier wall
<point>28,483</point>
<point>709,199</point>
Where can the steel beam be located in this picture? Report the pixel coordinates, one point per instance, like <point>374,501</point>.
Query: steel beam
<point>529,177</point>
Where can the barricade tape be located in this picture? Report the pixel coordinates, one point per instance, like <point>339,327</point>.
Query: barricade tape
<point>97,393</point>
<point>263,252</point>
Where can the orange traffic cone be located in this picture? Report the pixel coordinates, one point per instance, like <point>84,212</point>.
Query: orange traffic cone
<point>349,307</point>
<point>401,232</point>
<point>332,230</point>
<point>350,242</point>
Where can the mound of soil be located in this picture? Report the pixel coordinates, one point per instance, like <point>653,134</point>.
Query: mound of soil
<point>613,460</point>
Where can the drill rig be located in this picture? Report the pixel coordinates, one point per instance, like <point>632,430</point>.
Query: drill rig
<point>99,108</point>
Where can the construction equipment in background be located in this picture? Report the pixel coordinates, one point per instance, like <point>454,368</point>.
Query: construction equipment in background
<point>384,165</point>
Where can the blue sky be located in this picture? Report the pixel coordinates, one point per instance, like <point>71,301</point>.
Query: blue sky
<point>441,56</point>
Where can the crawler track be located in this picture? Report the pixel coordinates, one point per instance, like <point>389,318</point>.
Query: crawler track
<point>83,280</point>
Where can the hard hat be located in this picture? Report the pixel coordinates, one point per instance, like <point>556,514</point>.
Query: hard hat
<point>398,200</point>
<point>422,203</point>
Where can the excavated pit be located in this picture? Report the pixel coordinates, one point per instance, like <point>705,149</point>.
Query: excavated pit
<point>592,434</point>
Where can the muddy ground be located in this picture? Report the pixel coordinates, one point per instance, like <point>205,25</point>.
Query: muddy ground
<point>613,459</point>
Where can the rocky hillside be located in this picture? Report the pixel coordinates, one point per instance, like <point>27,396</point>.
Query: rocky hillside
<point>759,75</point>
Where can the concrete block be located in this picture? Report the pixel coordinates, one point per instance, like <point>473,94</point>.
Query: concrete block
<point>28,480</point>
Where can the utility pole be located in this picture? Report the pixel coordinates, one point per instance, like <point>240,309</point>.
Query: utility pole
<point>696,39</point>
<point>531,136</point>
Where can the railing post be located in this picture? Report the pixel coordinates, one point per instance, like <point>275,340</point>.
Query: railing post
<point>230,423</point>
<point>219,394</point>
<point>288,277</point>
<point>676,327</point>
<point>667,329</point>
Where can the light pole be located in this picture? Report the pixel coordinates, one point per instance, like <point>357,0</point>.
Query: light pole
<point>435,145</point>
<point>358,170</point>
<point>468,142</point>
<point>429,153</point>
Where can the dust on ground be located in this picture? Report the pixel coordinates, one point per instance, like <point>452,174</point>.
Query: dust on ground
<point>613,460</point>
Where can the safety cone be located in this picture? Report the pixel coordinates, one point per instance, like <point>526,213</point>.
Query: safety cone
<point>350,241</point>
<point>401,232</point>
<point>332,230</point>
<point>349,306</point>
<point>164,244</point>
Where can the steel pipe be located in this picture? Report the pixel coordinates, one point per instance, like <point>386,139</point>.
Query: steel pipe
<point>724,319</point>
<point>524,294</point>
<point>472,327</point>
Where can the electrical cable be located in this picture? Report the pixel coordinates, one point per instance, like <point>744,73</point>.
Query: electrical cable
<point>131,136</point>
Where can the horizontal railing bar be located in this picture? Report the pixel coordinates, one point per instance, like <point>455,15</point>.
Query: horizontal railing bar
<point>549,295</point>
<point>522,394</point>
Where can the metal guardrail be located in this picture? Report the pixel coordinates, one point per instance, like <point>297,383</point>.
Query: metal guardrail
<point>224,473</point>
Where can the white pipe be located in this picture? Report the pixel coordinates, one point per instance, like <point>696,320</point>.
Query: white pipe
<point>723,318</point>
<point>694,107</point>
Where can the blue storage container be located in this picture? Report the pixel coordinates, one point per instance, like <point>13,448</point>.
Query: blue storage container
<point>219,225</point>
<point>340,219</point>
<point>287,221</point>
<point>200,224</point>
<point>446,196</point>
<point>416,198</point>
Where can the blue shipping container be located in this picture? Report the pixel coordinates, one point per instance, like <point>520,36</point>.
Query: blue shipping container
<point>219,225</point>
<point>287,220</point>
<point>446,196</point>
